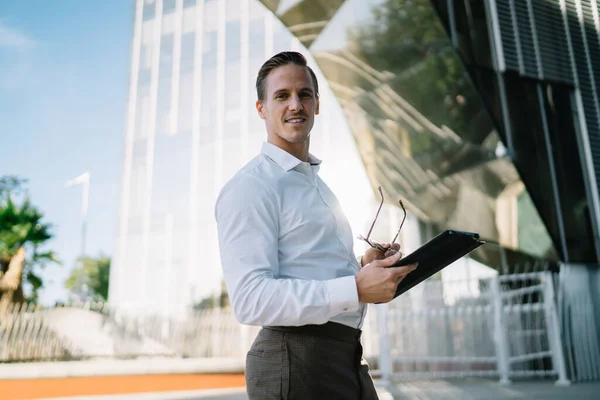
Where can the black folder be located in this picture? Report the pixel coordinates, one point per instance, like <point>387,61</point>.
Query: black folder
<point>435,255</point>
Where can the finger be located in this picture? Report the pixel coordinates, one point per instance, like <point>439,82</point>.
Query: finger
<point>404,270</point>
<point>390,252</point>
<point>389,261</point>
<point>396,246</point>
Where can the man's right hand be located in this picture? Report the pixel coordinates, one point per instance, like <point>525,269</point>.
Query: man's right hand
<point>377,283</point>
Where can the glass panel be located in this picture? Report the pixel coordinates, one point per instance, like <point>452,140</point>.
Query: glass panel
<point>171,176</point>
<point>471,30</point>
<point>209,58</point>
<point>282,37</point>
<point>169,6</point>
<point>189,20</point>
<point>208,108</point>
<point>149,10</point>
<point>231,158</point>
<point>186,102</point>
<point>571,186</point>
<point>163,107</point>
<point>188,43</point>
<point>143,111</point>
<point>530,146</point>
<point>232,41</point>
<point>206,184</point>
<point>147,32</point>
<point>137,189</point>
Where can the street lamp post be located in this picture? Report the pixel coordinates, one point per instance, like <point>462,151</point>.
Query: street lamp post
<point>83,179</point>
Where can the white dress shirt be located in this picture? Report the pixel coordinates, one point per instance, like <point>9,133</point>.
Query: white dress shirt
<point>286,246</point>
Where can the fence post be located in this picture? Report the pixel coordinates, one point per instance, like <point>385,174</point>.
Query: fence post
<point>553,329</point>
<point>244,336</point>
<point>385,356</point>
<point>500,340</point>
<point>215,331</point>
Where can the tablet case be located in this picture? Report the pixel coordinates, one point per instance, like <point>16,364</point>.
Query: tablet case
<point>435,255</point>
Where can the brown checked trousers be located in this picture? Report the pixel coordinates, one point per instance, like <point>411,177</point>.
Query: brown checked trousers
<point>320,362</point>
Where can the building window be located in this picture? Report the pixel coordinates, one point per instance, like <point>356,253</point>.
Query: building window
<point>169,6</point>
<point>209,96</point>
<point>168,24</point>
<point>209,58</point>
<point>186,102</point>
<point>171,174</point>
<point>232,41</point>
<point>188,44</point>
<point>149,10</point>
<point>257,37</point>
<point>143,109</point>
<point>211,16</point>
<point>189,20</point>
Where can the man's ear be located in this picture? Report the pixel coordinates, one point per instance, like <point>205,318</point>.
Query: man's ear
<point>260,109</point>
<point>317,109</point>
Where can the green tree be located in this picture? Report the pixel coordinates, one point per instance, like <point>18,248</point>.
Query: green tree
<point>94,277</point>
<point>213,302</point>
<point>23,234</point>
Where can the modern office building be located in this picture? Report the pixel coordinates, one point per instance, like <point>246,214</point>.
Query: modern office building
<point>485,115</point>
<point>191,123</point>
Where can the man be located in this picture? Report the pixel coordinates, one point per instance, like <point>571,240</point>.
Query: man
<point>287,255</point>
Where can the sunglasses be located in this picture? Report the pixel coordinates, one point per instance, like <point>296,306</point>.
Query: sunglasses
<point>377,245</point>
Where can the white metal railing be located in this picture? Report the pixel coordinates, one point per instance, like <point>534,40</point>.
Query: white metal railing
<point>25,337</point>
<point>507,329</point>
<point>76,331</point>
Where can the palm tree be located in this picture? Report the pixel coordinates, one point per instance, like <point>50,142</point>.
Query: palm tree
<point>22,234</point>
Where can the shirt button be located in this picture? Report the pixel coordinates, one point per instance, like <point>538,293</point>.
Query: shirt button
<point>345,308</point>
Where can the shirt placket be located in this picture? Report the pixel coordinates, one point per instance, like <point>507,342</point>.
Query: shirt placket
<point>323,196</point>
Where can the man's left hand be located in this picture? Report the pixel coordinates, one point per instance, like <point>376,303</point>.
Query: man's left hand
<point>373,254</point>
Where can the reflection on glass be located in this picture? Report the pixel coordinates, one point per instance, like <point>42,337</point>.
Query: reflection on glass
<point>420,124</point>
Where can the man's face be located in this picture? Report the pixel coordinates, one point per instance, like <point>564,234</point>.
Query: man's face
<point>289,106</point>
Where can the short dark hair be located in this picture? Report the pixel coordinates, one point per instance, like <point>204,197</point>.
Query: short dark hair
<point>279,60</point>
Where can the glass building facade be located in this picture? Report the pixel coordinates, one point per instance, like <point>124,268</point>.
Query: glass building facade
<point>483,115</point>
<point>191,124</point>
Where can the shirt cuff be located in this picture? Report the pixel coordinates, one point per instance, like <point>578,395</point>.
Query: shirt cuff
<point>343,295</point>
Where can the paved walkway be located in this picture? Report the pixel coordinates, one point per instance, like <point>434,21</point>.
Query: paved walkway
<point>466,389</point>
<point>471,389</point>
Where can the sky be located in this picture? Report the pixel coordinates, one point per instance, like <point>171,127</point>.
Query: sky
<point>64,73</point>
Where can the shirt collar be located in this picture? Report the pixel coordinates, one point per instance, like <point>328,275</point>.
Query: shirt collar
<point>284,159</point>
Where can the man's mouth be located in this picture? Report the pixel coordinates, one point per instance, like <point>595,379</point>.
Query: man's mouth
<point>295,120</point>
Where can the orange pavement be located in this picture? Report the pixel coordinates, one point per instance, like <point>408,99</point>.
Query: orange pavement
<point>62,387</point>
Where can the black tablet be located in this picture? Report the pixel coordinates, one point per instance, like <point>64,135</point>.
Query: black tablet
<point>435,255</point>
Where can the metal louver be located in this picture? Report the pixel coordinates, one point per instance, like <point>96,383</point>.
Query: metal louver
<point>534,39</point>
<point>585,48</point>
<point>556,40</point>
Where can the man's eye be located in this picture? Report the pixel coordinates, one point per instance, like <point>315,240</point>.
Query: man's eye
<point>281,96</point>
<point>306,95</point>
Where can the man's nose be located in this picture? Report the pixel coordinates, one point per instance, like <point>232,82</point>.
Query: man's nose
<point>295,103</point>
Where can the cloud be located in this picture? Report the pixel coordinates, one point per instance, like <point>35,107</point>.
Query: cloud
<point>14,39</point>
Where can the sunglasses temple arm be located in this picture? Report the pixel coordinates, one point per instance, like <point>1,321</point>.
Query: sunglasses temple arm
<point>376,215</point>
<point>401,224</point>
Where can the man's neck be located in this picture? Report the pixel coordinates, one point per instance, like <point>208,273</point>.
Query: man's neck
<point>298,150</point>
